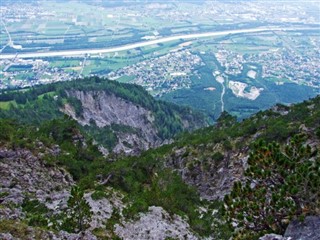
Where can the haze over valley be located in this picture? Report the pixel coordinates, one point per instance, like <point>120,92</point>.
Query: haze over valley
<point>176,50</point>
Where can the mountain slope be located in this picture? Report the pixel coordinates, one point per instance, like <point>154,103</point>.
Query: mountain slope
<point>227,164</point>
<point>213,158</point>
<point>120,117</point>
<point>36,187</point>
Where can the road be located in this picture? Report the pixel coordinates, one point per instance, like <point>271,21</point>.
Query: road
<point>138,44</point>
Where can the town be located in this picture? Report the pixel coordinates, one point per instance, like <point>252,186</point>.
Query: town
<point>162,74</point>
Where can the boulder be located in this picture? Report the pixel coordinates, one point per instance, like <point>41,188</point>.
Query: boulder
<point>273,236</point>
<point>309,229</point>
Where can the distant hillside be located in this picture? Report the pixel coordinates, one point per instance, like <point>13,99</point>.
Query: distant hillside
<point>120,117</point>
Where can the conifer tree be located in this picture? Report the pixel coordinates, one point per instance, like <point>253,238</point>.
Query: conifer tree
<point>282,184</point>
<point>79,213</point>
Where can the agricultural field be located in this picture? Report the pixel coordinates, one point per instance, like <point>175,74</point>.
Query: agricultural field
<point>259,69</point>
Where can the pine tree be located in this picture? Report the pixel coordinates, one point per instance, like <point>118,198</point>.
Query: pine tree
<point>281,185</point>
<point>79,213</point>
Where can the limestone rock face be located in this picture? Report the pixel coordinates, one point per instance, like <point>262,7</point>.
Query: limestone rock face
<point>22,174</point>
<point>33,233</point>
<point>156,224</point>
<point>212,177</point>
<point>106,109</point>
<point>273,237</point>
<point>102,209</point>
<point>309,229</point>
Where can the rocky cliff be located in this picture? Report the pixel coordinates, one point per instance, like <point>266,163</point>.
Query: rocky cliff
<point>35,188</point>
<point>104,109</point>
<point>211,168</point>
<point>197,187</point>
<point>27,179</point>
<point>24,175</point>
<point>121,118</point>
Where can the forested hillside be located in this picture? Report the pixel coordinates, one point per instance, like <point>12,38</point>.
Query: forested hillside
<point>125,113</point>
<point>240,179</point>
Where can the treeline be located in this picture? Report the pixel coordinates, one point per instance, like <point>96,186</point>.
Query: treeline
<point>168,117</point>
<point>21,96</point>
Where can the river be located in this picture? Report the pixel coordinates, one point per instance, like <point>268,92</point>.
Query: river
<point>67,53</point>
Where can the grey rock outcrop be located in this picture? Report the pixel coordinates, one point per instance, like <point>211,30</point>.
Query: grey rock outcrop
<point>106,109</point>
<point>33,233</point>
<point>309,229</point>
<point>23,174</point>
<point>156,224</point>
<point>273,236</point>
<point>103,208</point>
<point>212,177</point>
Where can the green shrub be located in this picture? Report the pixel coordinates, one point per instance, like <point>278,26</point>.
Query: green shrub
<point>285,188</point>
<point>98,195</point>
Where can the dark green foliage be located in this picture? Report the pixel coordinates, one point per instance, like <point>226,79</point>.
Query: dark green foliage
<point>217,156</point>
<point>285,187</point>
<point>226,120</point>
<point>8,95</point>
<point>32,109</point>
<point>77,106</point>
<point>147,182</point>
<point>114,219</point>
<point>37,213</point>
<point>78,213</point>
<point>6,130</point>
<point>104,135</point>
<point>269,125</point>
<point>76,153</point>
<point>34,112</point>
<point>61,130</point>
<point>318,132</point>
<point>278,172</point>
<point>97,195</point>
<point>33,206</point>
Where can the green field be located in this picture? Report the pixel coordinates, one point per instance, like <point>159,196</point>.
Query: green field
<point>6,105</point>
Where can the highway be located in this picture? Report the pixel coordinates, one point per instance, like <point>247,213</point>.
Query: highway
<point>69,53</point>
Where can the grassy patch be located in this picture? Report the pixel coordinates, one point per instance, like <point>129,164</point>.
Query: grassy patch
<point>6,105</point>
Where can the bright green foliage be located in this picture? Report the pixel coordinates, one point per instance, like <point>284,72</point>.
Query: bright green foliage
<point>281,184</point>
<point>78,213</point>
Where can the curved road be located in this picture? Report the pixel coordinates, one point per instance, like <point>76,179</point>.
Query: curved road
<point>138,44</point>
